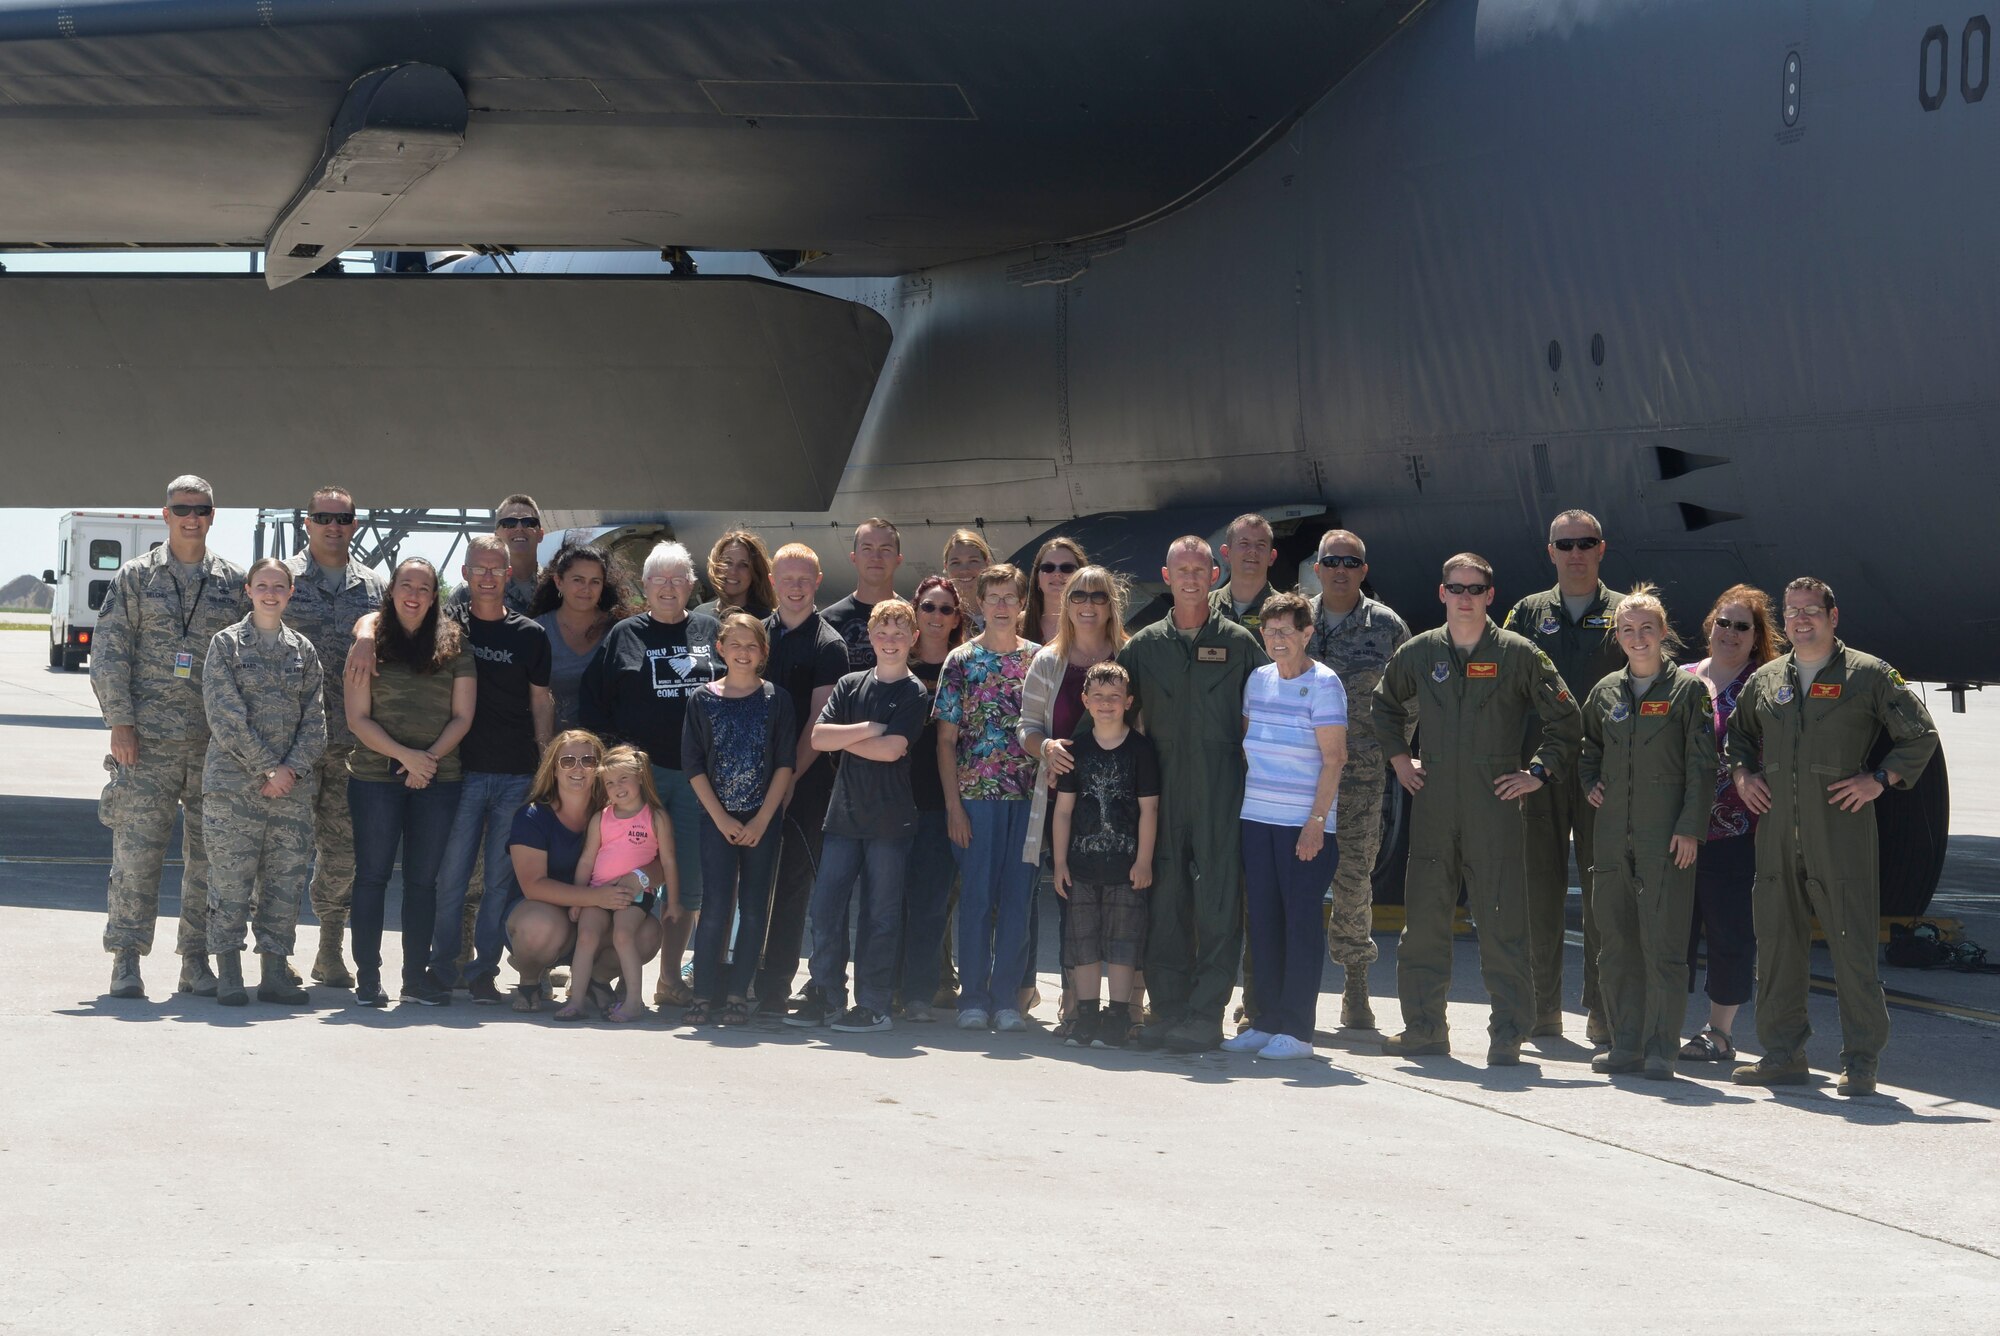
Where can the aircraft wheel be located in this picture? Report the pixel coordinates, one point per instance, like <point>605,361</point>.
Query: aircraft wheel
<point>1911,827</point>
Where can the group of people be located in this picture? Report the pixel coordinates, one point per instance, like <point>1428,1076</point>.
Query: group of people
<point>574,776</point>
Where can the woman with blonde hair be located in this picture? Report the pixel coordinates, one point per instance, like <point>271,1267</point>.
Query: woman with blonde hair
<point>1091,631</point>
<point>1742,634</point>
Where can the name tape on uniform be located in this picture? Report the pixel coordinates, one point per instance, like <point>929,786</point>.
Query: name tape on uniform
<point>1655,706</point>
<point>1211,654</point>
<point>1482,670</point>
<point>1825,691</point>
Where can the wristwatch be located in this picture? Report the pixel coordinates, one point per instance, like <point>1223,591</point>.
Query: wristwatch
<point>645,886</point>
<point>1539,771</point>
<point>1881,777</point>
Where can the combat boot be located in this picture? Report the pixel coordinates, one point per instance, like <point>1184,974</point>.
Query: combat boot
<point>1610,1064</point>
<point>125,980</point>
<point>197,977</point>
<point>1596,1029</point>
<point>1856,1079</point>
<point>277,983</point>
<point>1503,1053</point>
<point>1410,1045</point>
<point>1770,1073</point>
<point>228,983</point>
<point>328,968</point>
<point>1355,1013</point>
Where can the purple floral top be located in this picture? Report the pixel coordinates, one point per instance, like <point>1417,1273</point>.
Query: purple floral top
<point>1728,818</point>
<point>979,693</point>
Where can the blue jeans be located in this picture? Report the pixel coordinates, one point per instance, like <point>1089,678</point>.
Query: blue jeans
<point>684,814</point>
<point>926,900</point>
<point>389,816</point>
<point>733,877</point>
<point>879,866</point>
<point>1287,933</point>
<point>486,807</point>
<point>993,890</point>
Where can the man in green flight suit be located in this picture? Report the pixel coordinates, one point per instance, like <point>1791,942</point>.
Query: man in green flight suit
<point>1570,623</point>
<point>1798,749</point>
<point>1249,547</point>
<point>1188,671</point>
<point>1474,686</point>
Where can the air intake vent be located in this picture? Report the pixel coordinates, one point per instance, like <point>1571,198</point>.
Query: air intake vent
<point>1679,463</point>
<point>1701,517</point>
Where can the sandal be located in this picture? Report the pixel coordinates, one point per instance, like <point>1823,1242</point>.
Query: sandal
<point>1704,1048</point>
<point>625,1013</point>
<point>698,1014</point>
<point>673,992</point>
<point>528,997</point>
<point>576,1009</point>
<point>601,996</point>
<point>735,1013</point>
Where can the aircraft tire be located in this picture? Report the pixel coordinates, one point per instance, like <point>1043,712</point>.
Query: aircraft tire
<point>1911,829</point>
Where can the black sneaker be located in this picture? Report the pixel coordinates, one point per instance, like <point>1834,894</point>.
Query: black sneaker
<point>1083,1026</point>
<point>1113,1028</point>
<point>368,989</point>
<point>859,1020</point>
<point>426,991</point>
<point>813,1013</point>
<point>485,991</point>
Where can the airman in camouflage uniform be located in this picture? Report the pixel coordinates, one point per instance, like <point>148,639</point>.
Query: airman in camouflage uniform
<point>146,657</point>
<point>330,593</point>
<point>266,716</point>
<point>1356,645</point>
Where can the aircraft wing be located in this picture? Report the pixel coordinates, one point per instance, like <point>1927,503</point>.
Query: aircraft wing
<point>860,136</point>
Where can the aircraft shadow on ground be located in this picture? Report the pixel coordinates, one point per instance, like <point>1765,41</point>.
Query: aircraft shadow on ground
<point>85,721</point>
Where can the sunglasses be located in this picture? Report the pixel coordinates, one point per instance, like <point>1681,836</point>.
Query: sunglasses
<point>519,522</point>
<point>1575,544</point>
<point>183,509</point>
<point>332,517</point>
<point>576,762</point>
<point>1474,589</point>
<point>1052,567</point>
<point>1724,624</point>
<point>937,609</point>
<point>1346,563</point>
<point>1094,597</point>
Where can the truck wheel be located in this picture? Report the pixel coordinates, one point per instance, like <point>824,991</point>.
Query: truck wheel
<point>72,660</point>
<point>56,655</point>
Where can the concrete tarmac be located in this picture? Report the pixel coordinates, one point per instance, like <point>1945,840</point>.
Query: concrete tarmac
<point>168,1165</point>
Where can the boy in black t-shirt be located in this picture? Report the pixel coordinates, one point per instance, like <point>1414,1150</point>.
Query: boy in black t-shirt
<point>873,718</point>
<point>1106,820</point>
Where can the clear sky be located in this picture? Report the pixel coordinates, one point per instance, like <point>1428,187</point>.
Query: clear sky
<point>28,536</point>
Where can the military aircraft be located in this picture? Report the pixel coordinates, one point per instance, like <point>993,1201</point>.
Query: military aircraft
<point>1721,273</point>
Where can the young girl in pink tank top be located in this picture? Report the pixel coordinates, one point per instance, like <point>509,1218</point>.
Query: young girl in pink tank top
<point>630,832</point>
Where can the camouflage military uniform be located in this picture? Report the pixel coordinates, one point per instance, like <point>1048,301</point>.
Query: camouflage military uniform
<point>324,608</point>
<point>1358,648</point>
<point>264,710</point>
<point>145,666</point>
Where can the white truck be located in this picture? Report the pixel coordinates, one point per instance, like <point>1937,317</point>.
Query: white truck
<point>90,547</point>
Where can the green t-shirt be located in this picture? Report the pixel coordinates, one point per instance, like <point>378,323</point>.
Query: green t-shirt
<point>412,708</point>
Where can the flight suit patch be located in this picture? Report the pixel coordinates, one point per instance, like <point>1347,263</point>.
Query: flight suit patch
<point>1482,670</point>
<point>1825,691</point>
<point>1597,622</point>
<point>1785,694</point>
<point>1440,671</point>
<point>1550,625</point>
<point>1895,677</point>
<point>1211,654</point>
<point>1620,712</point>
<point>1655,706</point>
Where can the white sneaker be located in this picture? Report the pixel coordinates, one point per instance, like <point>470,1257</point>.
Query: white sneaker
<point>1284,1046</point>
<point>972,1018</point>
<point>1250,1041</point>
<point>1009,1019</point>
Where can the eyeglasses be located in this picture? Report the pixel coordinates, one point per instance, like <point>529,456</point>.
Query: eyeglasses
<point>1095,597</point>
<point>1804,614</point>
<point>1473,589</point>
<point>1575,544</point>
<point>183,509</point>
<point>576,762</point>
<point>1007,600</point>
<point>657,580</point>
<point>937,609</point>
<point>331,517</point>
<point>1724,624</point>
<point>1052,567</point>
<point>1345,562</point>
<point>519,522</point>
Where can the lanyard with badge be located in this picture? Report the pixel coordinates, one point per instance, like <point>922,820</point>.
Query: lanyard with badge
<point>183,659</point>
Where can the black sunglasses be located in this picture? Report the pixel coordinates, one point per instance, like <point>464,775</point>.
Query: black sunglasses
<point>183,509</point>
<point>935,608</point>
<point>519,522</point>
<point>1575,544</point>
<point>1722,623</point>
<point>1473,589</point>
<point>1051,567</point>
<point>1093,596</point>
<point>1336,559</point>
<point>332,517</point>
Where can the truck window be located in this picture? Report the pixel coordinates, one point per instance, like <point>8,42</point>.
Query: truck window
<point>62,555</point>
<point>106,554</point>
<point>98,589</point>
